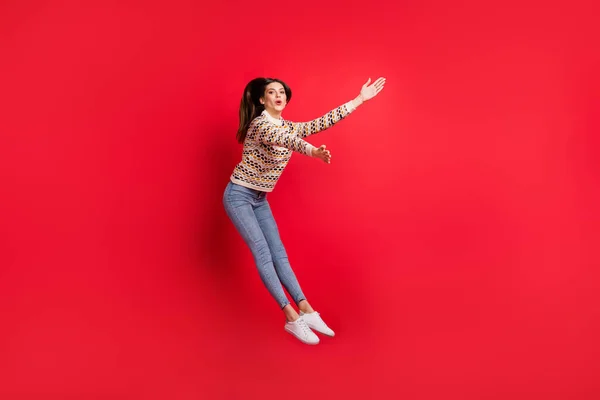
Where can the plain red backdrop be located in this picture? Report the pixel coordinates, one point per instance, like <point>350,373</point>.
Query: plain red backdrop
<point>453,243</point>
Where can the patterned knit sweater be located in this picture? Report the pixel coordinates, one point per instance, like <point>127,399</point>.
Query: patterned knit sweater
<point>270,142</point>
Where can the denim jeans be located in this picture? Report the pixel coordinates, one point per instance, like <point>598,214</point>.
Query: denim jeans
<point>251,214</point>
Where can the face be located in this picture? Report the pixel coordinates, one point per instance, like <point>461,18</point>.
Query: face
<point>274,98</point>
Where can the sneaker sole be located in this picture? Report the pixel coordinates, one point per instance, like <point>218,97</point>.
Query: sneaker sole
<point>300,339</point>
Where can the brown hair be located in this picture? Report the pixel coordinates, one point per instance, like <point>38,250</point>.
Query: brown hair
<point>250,106</point>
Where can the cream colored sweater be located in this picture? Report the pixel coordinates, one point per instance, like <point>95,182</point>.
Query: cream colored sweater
<point>270,142</point>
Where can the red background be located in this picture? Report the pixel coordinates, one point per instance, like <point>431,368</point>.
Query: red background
<point>453,243</point>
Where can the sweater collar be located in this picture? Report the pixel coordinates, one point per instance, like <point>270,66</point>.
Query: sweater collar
<point>271,119</point>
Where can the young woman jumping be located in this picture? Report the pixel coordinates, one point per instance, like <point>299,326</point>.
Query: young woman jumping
<point>268,143</point>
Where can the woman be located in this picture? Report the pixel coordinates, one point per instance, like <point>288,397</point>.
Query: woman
<point>269,142</point>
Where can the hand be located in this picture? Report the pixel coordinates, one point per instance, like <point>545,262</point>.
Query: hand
<point>322,154</point>
<point>368,92</point>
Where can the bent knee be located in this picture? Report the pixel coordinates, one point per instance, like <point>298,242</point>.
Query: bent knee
<point>262,254</point>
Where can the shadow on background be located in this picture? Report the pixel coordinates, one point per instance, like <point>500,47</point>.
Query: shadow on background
<point>218,250</point>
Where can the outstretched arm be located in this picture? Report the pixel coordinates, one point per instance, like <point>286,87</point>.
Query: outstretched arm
<point>367,92</point>
<point>266,132</point>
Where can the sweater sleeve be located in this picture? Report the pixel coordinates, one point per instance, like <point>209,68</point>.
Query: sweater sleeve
<point>263,131</point>
<point>305,129</point>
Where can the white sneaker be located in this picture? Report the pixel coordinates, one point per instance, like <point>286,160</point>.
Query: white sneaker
<point>300,329</point>
<point>314,321</point>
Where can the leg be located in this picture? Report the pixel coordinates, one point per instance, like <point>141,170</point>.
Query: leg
<point>284,270</point>
<point>238,205</point>
<point>280,259</point>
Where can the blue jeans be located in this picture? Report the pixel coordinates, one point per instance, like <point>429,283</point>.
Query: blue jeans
<point>251,214</point>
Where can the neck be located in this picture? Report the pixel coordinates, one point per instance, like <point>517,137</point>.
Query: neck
<point>274,114</point>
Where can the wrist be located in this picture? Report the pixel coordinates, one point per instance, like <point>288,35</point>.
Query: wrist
<point>358,100</point>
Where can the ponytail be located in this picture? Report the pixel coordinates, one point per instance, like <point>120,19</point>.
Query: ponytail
<point>250,106</point>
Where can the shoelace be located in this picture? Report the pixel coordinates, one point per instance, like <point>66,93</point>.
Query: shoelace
<point>304,326</point>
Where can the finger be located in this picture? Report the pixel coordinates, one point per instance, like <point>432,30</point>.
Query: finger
<point>367,84</point>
